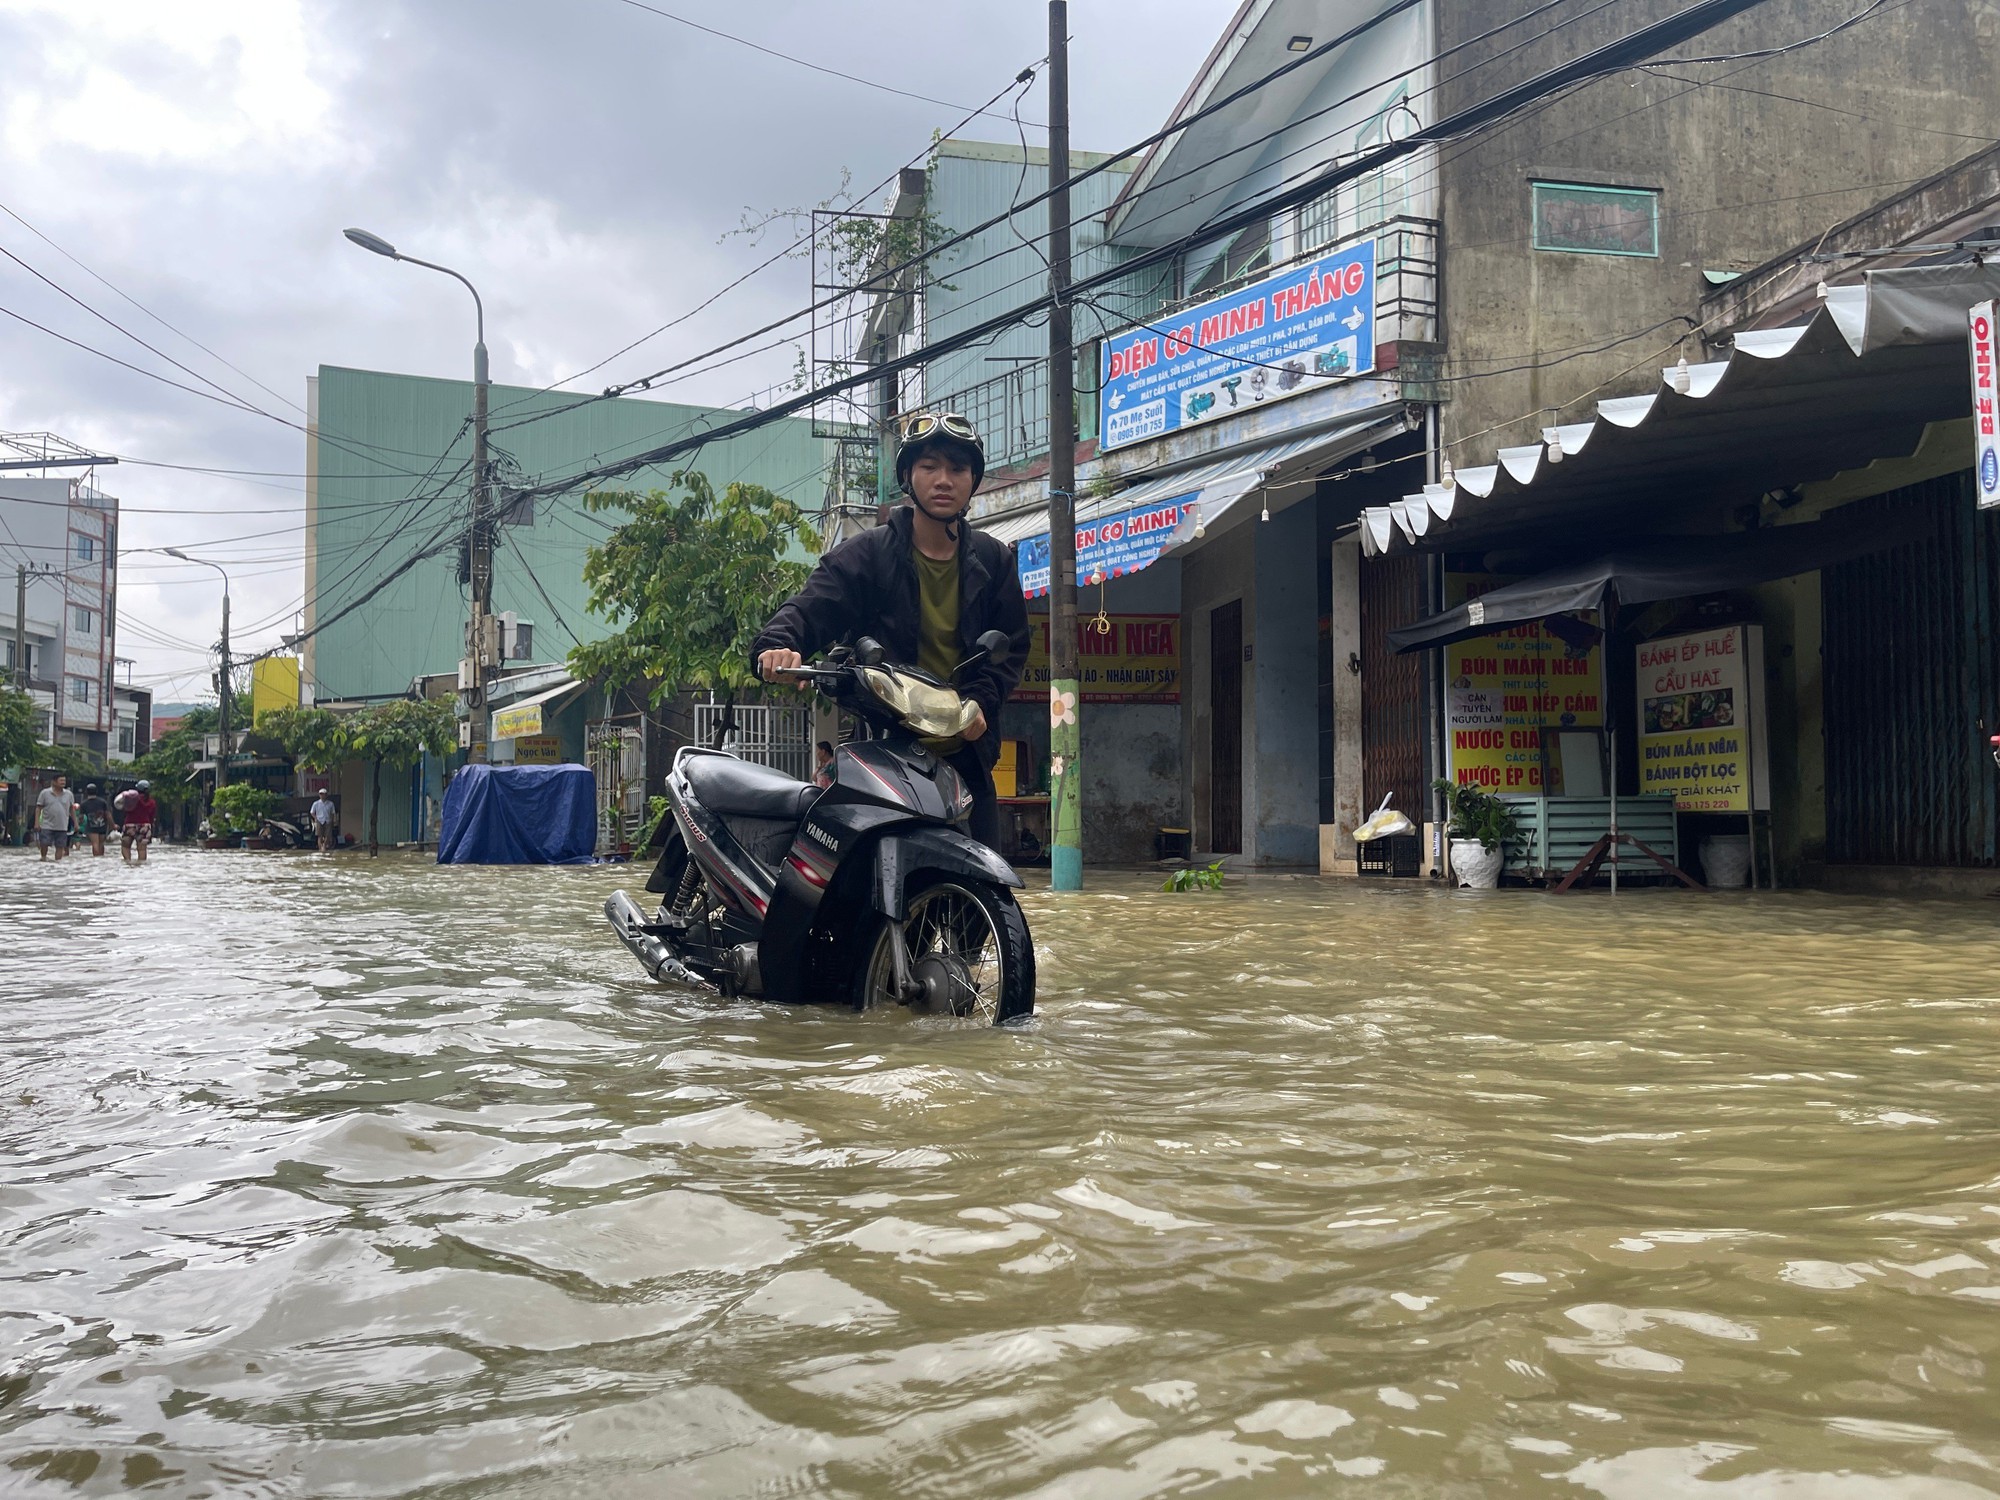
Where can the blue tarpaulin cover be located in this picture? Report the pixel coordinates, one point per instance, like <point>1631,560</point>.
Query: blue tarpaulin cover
<point>519,815</point>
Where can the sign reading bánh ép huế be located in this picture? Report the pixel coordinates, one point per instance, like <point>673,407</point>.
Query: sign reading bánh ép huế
<point>1701,720</point>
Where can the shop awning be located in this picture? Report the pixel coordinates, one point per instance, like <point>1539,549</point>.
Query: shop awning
<point>1860,381</point>
<point>1133,529</point>
<point>523,716</point>
<point>1663,568</point>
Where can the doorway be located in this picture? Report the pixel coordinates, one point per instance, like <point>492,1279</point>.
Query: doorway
<point>1225,733</point>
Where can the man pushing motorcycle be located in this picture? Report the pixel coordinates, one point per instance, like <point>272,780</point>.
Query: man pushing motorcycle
<point>926,584</point>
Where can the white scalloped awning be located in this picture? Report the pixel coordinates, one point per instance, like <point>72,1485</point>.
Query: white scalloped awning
<point>1860,381</point>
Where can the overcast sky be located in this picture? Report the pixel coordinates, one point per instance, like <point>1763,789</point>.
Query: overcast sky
<point>580,160</point>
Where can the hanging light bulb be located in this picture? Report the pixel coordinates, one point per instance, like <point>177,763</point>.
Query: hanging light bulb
<point>1447,476</point>
<point>1200,525</point>
<point>1267,508</point>
<point>1683,377</point>
<point>1550,437</point>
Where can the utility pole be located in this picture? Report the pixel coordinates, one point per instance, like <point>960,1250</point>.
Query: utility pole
<point>1065,694</point>
<point>483,625</point>
<point>224,697</point>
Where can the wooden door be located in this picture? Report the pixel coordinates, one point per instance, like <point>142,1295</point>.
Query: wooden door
<point>1392,691</point>
<point>1225,742</point>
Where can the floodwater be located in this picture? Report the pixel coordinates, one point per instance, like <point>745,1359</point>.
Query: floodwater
<point>323,1177</point>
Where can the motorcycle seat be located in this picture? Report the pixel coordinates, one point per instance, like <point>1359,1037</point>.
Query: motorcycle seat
<point>734,788</point>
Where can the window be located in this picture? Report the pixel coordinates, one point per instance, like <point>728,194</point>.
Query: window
<point>128,737</point>
<point>524,641</point>
<point>82,620</point>
<point>1596,220</point>
<point>79,689</point>
<point>86,547</point>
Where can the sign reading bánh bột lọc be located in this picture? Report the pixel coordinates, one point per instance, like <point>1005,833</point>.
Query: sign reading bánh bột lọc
<point>1138,660</point>
<point>1503,691</point>
<point>1701,720</point>
<point>513,723</point>
<point>1292,332</point>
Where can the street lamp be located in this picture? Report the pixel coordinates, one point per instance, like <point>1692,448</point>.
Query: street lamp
<point>482,544</point>
<point>225,693</point>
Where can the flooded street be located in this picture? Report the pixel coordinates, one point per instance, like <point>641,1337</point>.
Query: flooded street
<point>331,1177</point>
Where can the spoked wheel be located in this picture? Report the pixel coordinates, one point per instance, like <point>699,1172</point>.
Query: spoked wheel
<point>969,956</point>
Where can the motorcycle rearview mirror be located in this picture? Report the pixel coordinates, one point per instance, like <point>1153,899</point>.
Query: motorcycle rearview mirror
<point>991,643</point>
<point>868,651</point>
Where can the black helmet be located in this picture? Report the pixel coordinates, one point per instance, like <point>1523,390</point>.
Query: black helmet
<point>946,430</point>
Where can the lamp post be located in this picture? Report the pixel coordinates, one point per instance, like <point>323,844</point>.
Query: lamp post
<point>224,692</point>
<point>481,648</point>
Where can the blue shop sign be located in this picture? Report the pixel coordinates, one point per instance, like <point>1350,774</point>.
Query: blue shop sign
<point>1290,333</point>
<point>1110,546</point>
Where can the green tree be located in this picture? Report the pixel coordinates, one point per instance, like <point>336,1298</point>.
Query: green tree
<point>17,727</point>
<point>690,578</point>
<point>396,734</point>
<point>241,808</point>
<point>316,739</point>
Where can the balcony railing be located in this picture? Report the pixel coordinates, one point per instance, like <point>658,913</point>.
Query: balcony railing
<point>1011,409</point>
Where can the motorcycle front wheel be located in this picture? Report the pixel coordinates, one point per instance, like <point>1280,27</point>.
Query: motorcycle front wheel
<point>970,956</point>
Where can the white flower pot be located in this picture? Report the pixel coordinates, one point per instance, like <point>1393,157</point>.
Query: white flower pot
<point>1475,866</point>
<point>1725,860</point>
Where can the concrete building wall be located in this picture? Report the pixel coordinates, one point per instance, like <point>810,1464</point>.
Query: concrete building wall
<point>391,454</point>
<point>1211,576</point>
<point>1749,159</point>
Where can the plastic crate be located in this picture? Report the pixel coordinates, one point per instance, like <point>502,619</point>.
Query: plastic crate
<point>1399,856</point>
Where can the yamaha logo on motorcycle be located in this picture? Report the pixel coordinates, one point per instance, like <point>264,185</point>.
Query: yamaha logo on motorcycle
<point>882,899</point>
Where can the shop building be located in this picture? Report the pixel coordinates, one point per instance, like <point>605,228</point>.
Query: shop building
<point>1514,276</point>
<point>1810,485</point>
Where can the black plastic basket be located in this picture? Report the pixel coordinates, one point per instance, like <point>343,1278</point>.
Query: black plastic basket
<point>1400,856</point>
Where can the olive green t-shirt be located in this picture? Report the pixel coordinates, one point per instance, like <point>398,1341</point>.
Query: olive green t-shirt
<point>937,636</point>
<point>937,601</point>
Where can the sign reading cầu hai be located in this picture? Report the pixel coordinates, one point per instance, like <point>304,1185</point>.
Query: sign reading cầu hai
<point>1138,660</point>
<point>1502,691</point>
<point>1701,720</point>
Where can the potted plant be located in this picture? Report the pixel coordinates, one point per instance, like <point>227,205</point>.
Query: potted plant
<point>1479,827</point>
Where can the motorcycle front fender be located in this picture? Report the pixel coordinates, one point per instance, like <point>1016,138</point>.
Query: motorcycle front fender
<point>903,853</point>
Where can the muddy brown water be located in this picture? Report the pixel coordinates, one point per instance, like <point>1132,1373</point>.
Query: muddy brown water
<point>327,1178</point>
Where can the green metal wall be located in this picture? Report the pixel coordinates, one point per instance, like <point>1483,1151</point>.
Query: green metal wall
<point>389,446</point>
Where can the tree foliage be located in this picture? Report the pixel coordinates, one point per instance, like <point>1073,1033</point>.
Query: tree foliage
<point>317,739</point>
<point>17,727</point>
<point>396,734</point>
<point>690,578</point>
<point>241,808</point>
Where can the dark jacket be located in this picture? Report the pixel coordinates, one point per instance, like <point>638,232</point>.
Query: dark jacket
<point>868,586</point>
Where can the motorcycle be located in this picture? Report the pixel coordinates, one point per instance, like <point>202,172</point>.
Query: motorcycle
<point>864,889</point>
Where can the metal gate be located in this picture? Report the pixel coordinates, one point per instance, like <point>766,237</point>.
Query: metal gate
<point>771,734</point>
<point>616,751</point>
<point>1392,687</point>
<point>1911,686</point>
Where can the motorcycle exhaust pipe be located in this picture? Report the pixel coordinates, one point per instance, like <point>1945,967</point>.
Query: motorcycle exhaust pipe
<point>626,920</point>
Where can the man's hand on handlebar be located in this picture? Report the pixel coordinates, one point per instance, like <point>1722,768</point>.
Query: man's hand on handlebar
<point>778,661</point>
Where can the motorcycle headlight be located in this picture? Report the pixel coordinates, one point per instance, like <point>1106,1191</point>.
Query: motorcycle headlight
<point>933,712</point>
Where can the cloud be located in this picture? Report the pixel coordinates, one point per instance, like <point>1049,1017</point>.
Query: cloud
<point>581,160</point>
